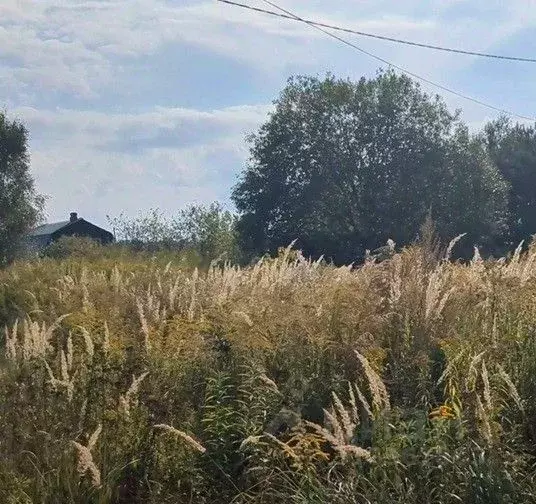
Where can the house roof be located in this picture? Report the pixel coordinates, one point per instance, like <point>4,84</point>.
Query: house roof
<point>48,229</point>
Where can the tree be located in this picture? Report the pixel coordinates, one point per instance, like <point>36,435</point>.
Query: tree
<point>209,230</point>
<point>343,166</point>
<point>20,206</point>
<point>513,149</point>
<point>149,231</point>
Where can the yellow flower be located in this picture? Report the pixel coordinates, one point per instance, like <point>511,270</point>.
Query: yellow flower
<point>442,411</point>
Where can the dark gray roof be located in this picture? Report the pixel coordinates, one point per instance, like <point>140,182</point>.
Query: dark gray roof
<point>48,229</point>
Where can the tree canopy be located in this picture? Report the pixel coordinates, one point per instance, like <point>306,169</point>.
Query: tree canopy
<point>513,150</point>
<point>343,166</point>
<point>20,206</point>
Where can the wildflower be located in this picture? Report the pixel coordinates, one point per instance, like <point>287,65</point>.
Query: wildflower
<point>443,411</point>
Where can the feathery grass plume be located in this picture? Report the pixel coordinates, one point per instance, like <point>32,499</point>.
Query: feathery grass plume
<point>36,338</point>
<point>182,435</point>
<point>353,405</point>
<point>517,253</point>
<point>285,448</point>
<point>86,305</point>
<point>476,261</point>
<point>436,296</point>
<point>94,437</point>
<point>514,394</point>
<point>70,351</point>
<point>88,341</point>
<point>380,397</point>
<point>85,462</point>
<point>342,447</point>
<point>395,284</point>
<point>106,339</point>
<point>432,292</point>
<point>356,451</point>
<point>144,326</point>
<point>193,296</point>
<point>347,424</point>
<point>64,367</point>
<point>249,441</point>
<point>332,421</point>
<point>472,373</point>
<point>487,390</point>
<point>244,317</point>
<point>65,382</point>
<point>52,379</point>
<point>325,433</point>
<point>115,279</point>
<point>173,291</point>
<point>451,246</point>
<point>267,381</point>
<point>11,341</point>
<point>482,415</point>
<point>127,401</point>
<point>342,424</point>
<point>527,270</point>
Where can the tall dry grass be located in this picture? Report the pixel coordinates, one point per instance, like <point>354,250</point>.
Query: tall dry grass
<point>408,381</point>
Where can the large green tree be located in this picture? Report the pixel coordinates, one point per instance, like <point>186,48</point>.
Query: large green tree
<point>20,206</point>
<point>342,166</point>
<point>513,149</point>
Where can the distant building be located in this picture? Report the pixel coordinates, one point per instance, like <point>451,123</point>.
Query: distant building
<point>46,234</point>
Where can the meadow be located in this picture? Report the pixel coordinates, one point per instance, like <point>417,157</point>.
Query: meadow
<point>135,380</point>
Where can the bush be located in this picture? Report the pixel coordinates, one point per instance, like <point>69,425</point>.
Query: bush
<point>209,231</point>
<point>75,247</point>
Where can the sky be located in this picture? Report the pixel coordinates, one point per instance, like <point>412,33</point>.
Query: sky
<point>140,104</point>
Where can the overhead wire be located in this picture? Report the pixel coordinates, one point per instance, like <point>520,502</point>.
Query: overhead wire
<point>386,62</point>
<point>383,37</point>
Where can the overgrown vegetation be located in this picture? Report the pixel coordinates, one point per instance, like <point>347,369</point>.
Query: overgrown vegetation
<point>208,231</point>
<point>409,381</point>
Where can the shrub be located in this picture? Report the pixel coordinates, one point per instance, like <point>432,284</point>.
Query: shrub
<point>73,246</point>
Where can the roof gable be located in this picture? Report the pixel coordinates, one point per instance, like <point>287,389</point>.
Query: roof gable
<point>69,227</point>
<point>48,229</point>
<point>81,226</point>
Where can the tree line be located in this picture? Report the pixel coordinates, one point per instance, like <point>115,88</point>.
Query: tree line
<point>344,166</point>
<point>340,166</point>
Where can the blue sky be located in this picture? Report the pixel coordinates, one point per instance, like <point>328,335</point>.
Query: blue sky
<point>139,104</point>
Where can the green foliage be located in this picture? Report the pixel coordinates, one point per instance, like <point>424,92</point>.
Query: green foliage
<point>209,230</point>
<point>513,150</point>
<point>20,206</point>
<point>151,230</point>
<point>343,166</point>
<point>127,379</point>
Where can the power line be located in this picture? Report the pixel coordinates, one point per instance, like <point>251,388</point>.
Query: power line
<point>381,37</point>
<point>393,65</point>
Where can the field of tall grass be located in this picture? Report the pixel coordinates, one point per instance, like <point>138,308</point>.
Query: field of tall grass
<point>290,381</point>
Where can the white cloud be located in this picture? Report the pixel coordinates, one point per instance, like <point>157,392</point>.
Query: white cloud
<point>75,52</point>
<point>77,46</point>
<point>76,157</point>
